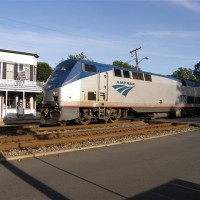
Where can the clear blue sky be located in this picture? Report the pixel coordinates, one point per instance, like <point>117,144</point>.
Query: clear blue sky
<point>105,30</point>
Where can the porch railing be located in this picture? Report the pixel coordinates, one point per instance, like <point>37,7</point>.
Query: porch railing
<point>20,83</point>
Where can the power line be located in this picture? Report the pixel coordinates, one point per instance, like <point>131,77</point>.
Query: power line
<point>29,24</point>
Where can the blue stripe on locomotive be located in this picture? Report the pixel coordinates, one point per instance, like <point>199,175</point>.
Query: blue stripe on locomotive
<point>74,72</point>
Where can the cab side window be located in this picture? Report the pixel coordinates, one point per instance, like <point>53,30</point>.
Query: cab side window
<point>117,72</point>
<point>89,68</point>
<point>147,77</point>
<point>126,74</point>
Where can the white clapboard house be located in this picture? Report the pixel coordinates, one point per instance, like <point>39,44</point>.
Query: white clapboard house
<point>18,84</point>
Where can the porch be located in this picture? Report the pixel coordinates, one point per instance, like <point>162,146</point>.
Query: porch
<point>14,93</point>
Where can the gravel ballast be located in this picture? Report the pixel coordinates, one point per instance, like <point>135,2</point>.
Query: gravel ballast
<point>55,149</point>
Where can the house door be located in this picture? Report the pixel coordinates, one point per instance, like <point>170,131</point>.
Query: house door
<point>103,87</point>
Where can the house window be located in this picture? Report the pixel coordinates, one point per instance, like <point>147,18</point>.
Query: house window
<point>20,67</point>
<point>10,71</point>
<point>11,100</point>
<point>26,69</point>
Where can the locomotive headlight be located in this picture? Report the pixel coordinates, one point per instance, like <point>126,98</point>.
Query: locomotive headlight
<point>55,92</point>
<point>49,86</point>
<point>52,79</point>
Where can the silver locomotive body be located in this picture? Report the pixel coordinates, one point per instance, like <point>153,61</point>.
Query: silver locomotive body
<point>85,91</point>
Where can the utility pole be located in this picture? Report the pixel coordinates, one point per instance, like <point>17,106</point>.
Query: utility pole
<point>136,55</point>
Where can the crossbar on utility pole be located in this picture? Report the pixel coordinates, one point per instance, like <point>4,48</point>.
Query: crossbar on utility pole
<point>136,56</point>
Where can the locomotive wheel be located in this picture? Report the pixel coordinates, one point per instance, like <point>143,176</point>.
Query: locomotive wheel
<point>113,118</point>
<point>84,121</point>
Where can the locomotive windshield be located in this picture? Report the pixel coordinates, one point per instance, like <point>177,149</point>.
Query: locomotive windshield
<point>64,67</point>
<point>59,75</point>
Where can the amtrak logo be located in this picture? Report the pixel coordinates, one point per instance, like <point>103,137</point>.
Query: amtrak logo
<point>123,89</point>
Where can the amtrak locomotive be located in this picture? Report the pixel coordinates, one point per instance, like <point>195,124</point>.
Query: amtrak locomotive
<point>85,91</point>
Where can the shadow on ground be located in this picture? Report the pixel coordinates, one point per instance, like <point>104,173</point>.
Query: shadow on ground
<point>43,188</point>
<point>176,189</point>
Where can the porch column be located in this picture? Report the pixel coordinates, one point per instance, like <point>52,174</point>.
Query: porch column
<point>1,105</point>
<point>31,102</point>
<point>24,100</point>
<point>16,99</point>
<point>34,100</point>
<point>6,104</point>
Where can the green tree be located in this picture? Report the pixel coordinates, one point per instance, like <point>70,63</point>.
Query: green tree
<point>120,63</point>
<point>196,71</point>
<point>184,73</point>
<point>80,56</point>
<point>38,102</point>
<point>43,71</point>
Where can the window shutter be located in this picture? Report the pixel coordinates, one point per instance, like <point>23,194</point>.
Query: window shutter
<point>15,71</point>
<point>35,73</point>
<point>4,70</point>
<point>31,73</point>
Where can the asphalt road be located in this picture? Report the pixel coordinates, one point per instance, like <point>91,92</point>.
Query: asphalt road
<point>164,168</point>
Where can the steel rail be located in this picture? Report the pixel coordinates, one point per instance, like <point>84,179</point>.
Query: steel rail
<point>16,130</point>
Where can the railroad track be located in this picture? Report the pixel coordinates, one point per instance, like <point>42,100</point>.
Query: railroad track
<point>35,137</point>
<point>36,129</point>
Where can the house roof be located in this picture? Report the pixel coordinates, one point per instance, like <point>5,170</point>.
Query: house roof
<point>19,52</point>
